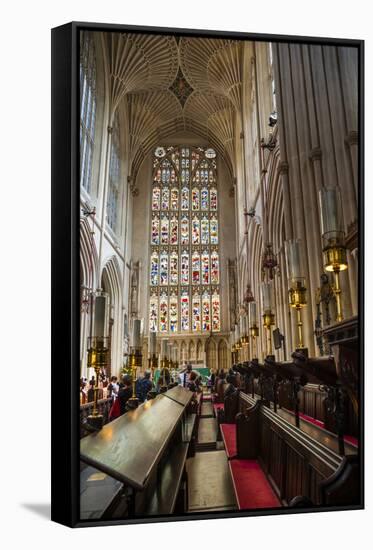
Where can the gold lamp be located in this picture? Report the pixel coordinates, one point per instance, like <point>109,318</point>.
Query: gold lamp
<point>233,348</point>
<point>333,239</point>
<point>268,315</point>
<point>135,360</point>
<point>243,330</point>
<point>98,347</point>
<point>164,362</point>
<point>297,284</point>
<point>237,340</point>
<point>254,329</point>
<point>153,359</point>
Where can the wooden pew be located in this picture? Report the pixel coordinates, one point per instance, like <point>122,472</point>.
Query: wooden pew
<point>252,488</point>
<point>298,462</point>
<point>146,450</point>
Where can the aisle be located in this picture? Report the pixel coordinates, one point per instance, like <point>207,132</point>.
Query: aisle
<point>209,481</point>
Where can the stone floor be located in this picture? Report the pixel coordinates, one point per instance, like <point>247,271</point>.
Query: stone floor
<point>209,482</point>
<point>206,409</point>
<point>207,430</point>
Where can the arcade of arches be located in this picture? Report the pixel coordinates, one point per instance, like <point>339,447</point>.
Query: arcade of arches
<point>263,111</point>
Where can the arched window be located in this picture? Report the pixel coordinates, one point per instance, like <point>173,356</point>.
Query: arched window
<point>114,177</point>
<point>184,242</point>
<point>87,108</point>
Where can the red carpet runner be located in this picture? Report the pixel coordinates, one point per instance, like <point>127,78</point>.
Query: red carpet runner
<point>251,486</point>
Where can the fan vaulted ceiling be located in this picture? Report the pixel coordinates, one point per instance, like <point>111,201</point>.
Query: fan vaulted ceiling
<point>174,85</point>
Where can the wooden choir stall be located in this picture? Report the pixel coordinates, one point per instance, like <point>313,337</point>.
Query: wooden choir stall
<point>135,465</point>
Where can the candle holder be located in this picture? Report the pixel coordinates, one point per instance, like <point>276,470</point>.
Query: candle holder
<point>254,333</point>
<point>134,362</point>
<point>98,348</point>
<point>253,327</point>
<point>268,322</point>
<point>164,366</point>
<point>298,300</point>
<point>268,315</point>
<point>297,284</point>
<point>153,364</point>
<point>333,240</point>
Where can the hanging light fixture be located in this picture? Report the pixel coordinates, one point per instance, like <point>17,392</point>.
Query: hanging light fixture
<point>269,260</point>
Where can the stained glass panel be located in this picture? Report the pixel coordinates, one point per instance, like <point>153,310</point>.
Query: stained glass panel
<point>215,307</point>
<point>165,198</point>
<point>185,268</point>
<point>156,198</point>
<point>164,229</point>
<point>204,199</point>
<point>163,313</point>
<point>174,199</point>
<point>195,199</point>
<point>185,198</point>
<point>184,230</point>
<point>184,311</point>
<point>195,230</point>
<point>153,314</point>
<point>205,268</point>
<point>196,268</point>
<point>214,268</point>
<point>196,305</point>
<point>214,230</point>
<point>205,312</point>
<point>154,269</point>
<point>174,230</point>
<point>204,230</point>
<point>173,269</point>
<point>164,269</point>
<point>155,230</point>
<point>173,313</point>
<point>213,199</point>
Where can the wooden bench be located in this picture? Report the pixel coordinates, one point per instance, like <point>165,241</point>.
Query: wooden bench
<point>98,492</point>
<point>251,486</point>
<point>144,452</point>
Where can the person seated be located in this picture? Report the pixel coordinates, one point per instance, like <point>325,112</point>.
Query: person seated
<point>220,387</point>
<point>124,393</point>
<point>113,387</point>
<point>192,383</point>
<point>143,386</point>
<point>211,381</point>
<point>231,384</point>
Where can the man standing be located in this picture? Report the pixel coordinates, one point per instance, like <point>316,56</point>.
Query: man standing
<point>143,386</point>
<point>185,375</point>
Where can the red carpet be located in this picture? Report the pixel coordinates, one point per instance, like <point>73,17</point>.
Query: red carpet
<point>251,486</point>
<point>228,432</point>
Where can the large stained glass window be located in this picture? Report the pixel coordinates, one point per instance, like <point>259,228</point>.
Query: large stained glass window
<point>184,241</point>
<point>87,107</point>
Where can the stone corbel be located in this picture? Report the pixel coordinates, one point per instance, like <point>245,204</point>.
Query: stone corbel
<point>352,138</point>
<point>315,154</point>
<point>283,168</point>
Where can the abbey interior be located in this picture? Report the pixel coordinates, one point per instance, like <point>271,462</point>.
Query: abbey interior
<point>219,275</point>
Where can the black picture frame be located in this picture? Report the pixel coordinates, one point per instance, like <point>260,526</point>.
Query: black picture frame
<point>65,265</point>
